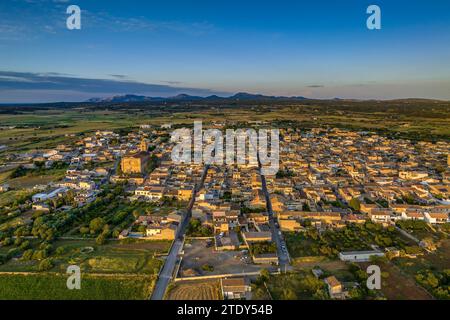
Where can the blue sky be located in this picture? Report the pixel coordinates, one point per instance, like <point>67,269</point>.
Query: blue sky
<point>318,49</point>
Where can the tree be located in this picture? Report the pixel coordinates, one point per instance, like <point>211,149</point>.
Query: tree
<point>18,241</point>
<point>84,230</point>
<point>7,242</point>
<point>136,214</point>
<point>289,294</point>
<point>96,225</point>
<point>100,240</point>
<point>264,274</point>
<point>45,265</point>
<point>25,245</point>
<point>60,250</point>
<point>207,267</point>
<point>39,255</point>
<point>14,252</point>
<point>27,255</point>
<point>428,243</point>
<point>355,204</point>
<point>116,233</point>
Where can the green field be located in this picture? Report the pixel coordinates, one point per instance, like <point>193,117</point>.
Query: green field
<point>7,198</point>
<point>46,127</point>
<point>53,287</point>
<point>300,285</point>
<point>114,258</point>
<point>352,237</point>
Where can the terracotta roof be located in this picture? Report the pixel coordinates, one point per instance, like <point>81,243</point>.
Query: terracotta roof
<point>332,281</point>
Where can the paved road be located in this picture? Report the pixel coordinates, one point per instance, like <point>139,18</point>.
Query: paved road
<point>169,265</point>
<point>166,274</point>
<point>283,255</point>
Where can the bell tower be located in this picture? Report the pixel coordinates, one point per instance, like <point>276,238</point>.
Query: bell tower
<point>143,147</point>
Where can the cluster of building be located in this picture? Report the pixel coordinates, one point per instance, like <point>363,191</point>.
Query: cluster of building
<point>233,205</point>
<point>165,183</point>
<point>155,227</point>
<point>90,162</point>
<point>331,177</point>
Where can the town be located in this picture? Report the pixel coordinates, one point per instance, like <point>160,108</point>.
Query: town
<point>113,201</point>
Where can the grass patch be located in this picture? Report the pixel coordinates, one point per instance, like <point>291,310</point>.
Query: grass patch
<point>113,258</point>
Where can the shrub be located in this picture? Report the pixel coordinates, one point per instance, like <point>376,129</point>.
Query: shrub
<point>28,255</point>
<point>207,267</point>
<point>96,225</point>
<point>14,252</point>
<point>100,240</point>
<point>84,230</point>
<point>39,255</point>
<point>25,245</point>
<point>60,250</point>
<point>7,242</point>
<point>45,265</point>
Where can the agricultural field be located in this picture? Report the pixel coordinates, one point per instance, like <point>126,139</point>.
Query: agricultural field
<point>396,285</point>
<point>45,127</point>
<point>53,287</point>
<point>29,182</point>
<point>307,263</point>
<point>112,258</point>
<point>300,285</point>
<point>349,238</point>
<point>195,290</point>
<point>430,270</point>
<point>421,230</point>
<point>438,260</point>
<point>7,198</point>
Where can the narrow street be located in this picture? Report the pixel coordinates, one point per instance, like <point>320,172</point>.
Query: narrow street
<point>283,255</point>
<point>169,265</point>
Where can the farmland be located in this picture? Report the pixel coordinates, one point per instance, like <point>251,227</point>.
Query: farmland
<point>294,286</point>
<point>49,125</point>
<point>132,258</point>
<point>53,287</point>
<point>352,237</point>
<point>396,285</point>
<point>195,290</point>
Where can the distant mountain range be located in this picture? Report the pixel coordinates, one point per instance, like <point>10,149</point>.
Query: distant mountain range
<point>241,96</point>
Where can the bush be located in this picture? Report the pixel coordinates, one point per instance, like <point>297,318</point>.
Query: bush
<point>45,265</point>
<point>60,250</point>
<point>355,204</point>
<point>25,245</point>
<point>18,241</point>
<point>263,247</point>
<point>96,225</point>
<point>39,255</point>
<point>195,229</point>
<point>7,242</point>
<point>100,240</point>
<point>207,267</point>
<point>13,253</point>
<point>84,230</point>
<point>28,255</point>
<point>413,250</point>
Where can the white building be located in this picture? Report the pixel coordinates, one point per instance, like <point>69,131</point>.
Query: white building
<point>40,197</point>
<point>436,217</point>
<point>359,256</point>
